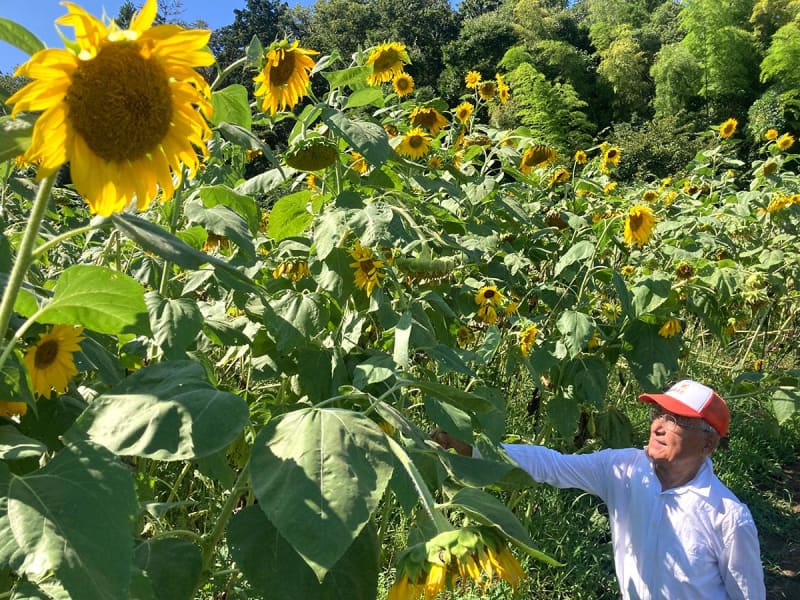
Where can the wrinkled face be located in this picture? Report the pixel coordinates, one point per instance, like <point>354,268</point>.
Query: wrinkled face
<point>679,442</point>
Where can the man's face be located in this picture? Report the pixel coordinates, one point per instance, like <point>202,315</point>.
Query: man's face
<point>675,439</point>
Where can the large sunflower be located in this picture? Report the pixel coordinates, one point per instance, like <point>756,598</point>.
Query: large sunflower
<point>284,78</point>
<point>464,111</point>
<point>639,225</point>
<point>415,144</point>
<point>537,156</point>
<point>368,270</point>
<point>429,118</point>
<point>51,361</point>
<point>120,106</point>
<point>387,60</point>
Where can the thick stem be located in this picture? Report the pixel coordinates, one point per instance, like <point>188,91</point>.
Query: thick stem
<point>24,254</point>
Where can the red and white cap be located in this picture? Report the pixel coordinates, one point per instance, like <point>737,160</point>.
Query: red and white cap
<point>691,399</point>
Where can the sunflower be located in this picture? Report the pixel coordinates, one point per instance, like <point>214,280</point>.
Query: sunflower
<point>390,130</point>
<point>12,409</point>
<point>503,93</point>
<point>293,270</point>
<point>639,225</point>
<point>527,338</point>
<point>785,142</point>
<point>560,175</point>
<point>472,79</point>
<point>487,90</point>
<point>367,270</point>
<point>387,60</point>
<point>403,589</point>
<point>536,156</point>
<point>487,313</point>
<point>580,157</point>
<point>434,162</point>
<point>51,361</point>
<point>650,196</point>
<point>403,84</point>
<point>119,105</point>
<point>359,164</point>
<point>612,155</point>
<point>728,128</point>
<point>770,134</point>
<point>284,78</point>
<point>609,187</point>
<point>464,111</point>
<point>670,328</point>
<point>489,294</point>
<point>415,144</point>
<point>429,118</point>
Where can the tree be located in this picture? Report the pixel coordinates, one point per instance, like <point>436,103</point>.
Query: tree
<point>625,67</point>
<point>342,25</point>
<point>779,67</point>
<point>678,80</point>
<point>470,9</point>
<point>770,15</point>
<point>609,19</point>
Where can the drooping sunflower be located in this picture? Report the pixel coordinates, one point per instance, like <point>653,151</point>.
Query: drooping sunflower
<point>670,328</point>
<point>404,589</point>
<point>284,79</point>
<point>403,84</point>
<point>120,106</point>
<point>580,157</point>
<point>487,313</point>
<point>464,111</point>
<point>359,164</point>
<point>560,175</point>
<point>387,60</point>
<point>639,225</point>
<point>489,294</point>
<point>612,155</point>
<point>784,142</point>
<point>415,144</point>
<point>649,196</point>
<point>728,128</point>
<point>429,118</point>
<point>12,409</point>
<point>51,360</point>
<point>368,270</point>
<point>487,90</point>
<point>527,338</point>
<point>472,79</point>
<point>537,156</point>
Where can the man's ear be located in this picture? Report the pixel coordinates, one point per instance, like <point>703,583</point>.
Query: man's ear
<point>711,443</point>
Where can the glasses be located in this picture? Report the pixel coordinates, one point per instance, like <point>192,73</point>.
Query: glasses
<point>671,422</point>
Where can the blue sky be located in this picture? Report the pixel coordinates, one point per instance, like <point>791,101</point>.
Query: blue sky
<point>38,16</point>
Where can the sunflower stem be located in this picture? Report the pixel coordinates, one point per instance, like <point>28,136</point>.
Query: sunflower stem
<point>24,258</point>
<point>61,238</point>
<point>226,512</point>
<point>173,227</point>
<point>227,71</point>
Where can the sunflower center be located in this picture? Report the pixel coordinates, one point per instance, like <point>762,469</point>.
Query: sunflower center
<point>120,103</point>
<point>46,354</point>
<point>415,141</point>
<point>636,221</point>
<point>386,60</point>
<point>488,294</point>
<point>281,73</point>
<point>367,266</point>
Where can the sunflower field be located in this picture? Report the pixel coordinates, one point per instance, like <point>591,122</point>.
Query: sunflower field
<point>221,362</point>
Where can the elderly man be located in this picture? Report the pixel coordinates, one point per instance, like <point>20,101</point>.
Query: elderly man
<point>677,531</point>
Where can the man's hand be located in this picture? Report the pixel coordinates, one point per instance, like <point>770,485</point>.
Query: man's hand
<point>447,441</point>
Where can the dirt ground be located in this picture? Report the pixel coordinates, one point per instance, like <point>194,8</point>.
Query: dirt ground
<point>782,555</point>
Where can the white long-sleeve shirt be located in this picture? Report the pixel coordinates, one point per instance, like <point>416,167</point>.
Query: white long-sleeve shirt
<point>696,541</point>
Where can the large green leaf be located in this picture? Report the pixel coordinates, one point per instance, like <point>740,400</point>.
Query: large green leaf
<point>165,411</point>
<point>576,253</point>
<point>274,570</point>
<point>231,105</point>
<point>576,328</point>
<point>175,323</point>
<point>293,318</point>
<point>16,446</point>
<point>72,519</point>
<point>98,298</point>
<point>221,220</point>
<point>319,474</point>
<point>290,216</point>
<point>651,357</point>
<point>588,376</point>
<point>485,508</point>
<point>172,565</point>
<point>785,403</point>
<point>368,139</point>
<point>241,204</point>
<point>649,295</point>
<point>19,37</point>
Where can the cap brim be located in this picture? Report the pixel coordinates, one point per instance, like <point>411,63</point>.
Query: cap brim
<point>671,404</point>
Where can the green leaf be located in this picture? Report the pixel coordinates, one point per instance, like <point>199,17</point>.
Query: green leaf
<point>319,474</point>
<point>368,139</point>
<point>649,295</point>
<point>293,318</point>
<point>172,565</point>
<point>375,369</point>
<point>72,519</point>
<point>564,412</point>
<point>290,216</point>
<point>579,252</point>
<point>488,510</point>
<point>19,37</point>
<point>588,376</point>
<point>264,183</point>
<point>224,221</point>
<point>100,299</point>
<point>16,446</point>
<point>785,403</point>
<point>175,323</point>
<point>165,411</point>
<point>402,333</point>
<point>577,328</point>
<point>241,204</point>
<point>274,570</point>
<point>231,105</point>
<point>652,358</point>
<point>365,97</point>
<point>15,135</point>
<point>352,77</point>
